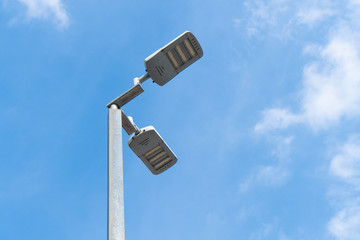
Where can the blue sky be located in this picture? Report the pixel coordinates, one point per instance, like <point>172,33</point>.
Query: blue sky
<point>265,125</point>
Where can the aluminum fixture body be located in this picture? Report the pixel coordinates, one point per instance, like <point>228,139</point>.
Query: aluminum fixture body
<point>166,63</point>
<point>161,66</point>
<point>149,146</point>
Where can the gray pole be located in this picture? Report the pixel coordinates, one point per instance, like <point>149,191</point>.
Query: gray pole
<point>116,223</point>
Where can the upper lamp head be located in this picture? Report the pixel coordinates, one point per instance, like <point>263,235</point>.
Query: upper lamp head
<point>152,150</point>
<point>166,63</point>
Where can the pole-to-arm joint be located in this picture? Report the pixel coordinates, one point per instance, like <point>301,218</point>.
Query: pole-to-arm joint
<point>141,79</point>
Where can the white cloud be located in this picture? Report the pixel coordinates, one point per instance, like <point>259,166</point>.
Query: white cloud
<point>276,118</point>
<point>281,17</point>
<point>331,82</point>
<point>313,15</point>
<point>266,11</point>
<point>264,231</point>
<point>236,22</point>
<point>331,86</point>
<point>263,14</point>
<point>245,185</point>
<point>270,230</point>
<point>346,224</point>
<point>329,96</point>
<point>278,173</point>
<point>271,175</point>
<point>47,9</point>
<point>282,236</point>
<point>355,2</point>
<point>345,166</point>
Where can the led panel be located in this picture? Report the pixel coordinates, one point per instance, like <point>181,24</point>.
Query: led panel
<point>152,150</point>
<point>166,63</point>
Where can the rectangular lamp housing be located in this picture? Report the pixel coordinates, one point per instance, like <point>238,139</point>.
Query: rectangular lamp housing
<point>152,150</point>
<point>166,63</point>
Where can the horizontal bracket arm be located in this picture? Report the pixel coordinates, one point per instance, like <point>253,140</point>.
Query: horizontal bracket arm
<point>127,96</point>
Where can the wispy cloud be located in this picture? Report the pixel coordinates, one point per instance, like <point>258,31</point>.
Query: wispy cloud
<point>263,14</point>
<point>275,174</point>
<point>281,17</point>
<point>345,225</point>
<point>330,96</point>
<point>272,175</point>
<point>47,9</point>
<point>269,230</point>
<point>276,118</point>
<point>345,167</point>
<point>264,231</point>
<point>331,86</point>
<point>330,82</point>
<point>313,15</point>
<point>346,164</point>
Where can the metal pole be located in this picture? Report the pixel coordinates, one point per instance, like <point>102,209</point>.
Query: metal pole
<point>116,222</point>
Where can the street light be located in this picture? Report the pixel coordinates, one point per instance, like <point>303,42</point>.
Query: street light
<point>152,150</point>
<point>167,62</point>
<point>146,143</point>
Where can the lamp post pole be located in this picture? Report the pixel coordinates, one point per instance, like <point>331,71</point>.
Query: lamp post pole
<point>116,222</point>
<point>161,67</point>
